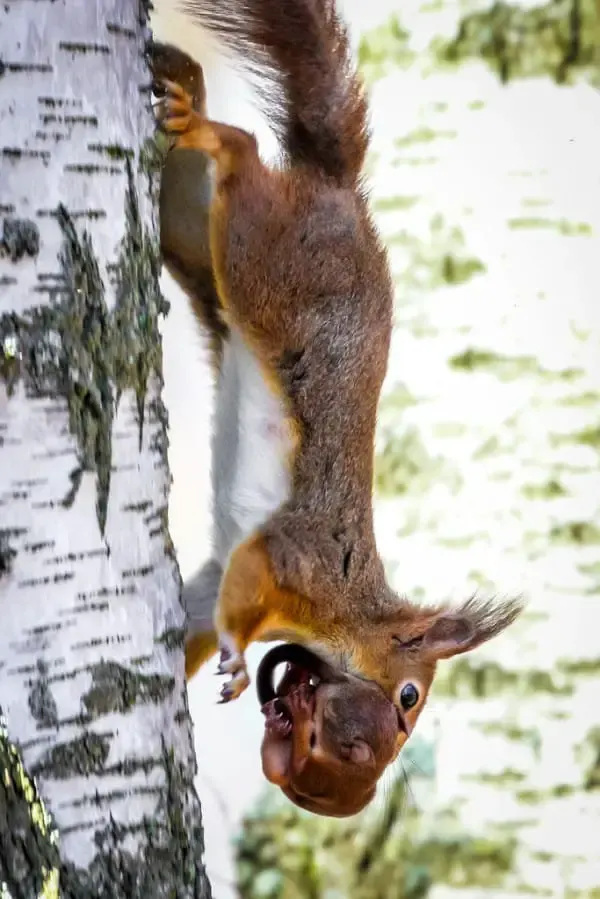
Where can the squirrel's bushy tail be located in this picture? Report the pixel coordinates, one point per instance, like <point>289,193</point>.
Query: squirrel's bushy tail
<point>302,46</point>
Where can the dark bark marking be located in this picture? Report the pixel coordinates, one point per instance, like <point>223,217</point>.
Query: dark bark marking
<point>117,689</point>
<point>82,756</point>
<point>7,548</point>
<point>20,237</point>
<point>42,704</point>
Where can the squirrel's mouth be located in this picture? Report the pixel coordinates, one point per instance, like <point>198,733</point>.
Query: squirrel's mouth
<point>278,714</point>
<point>304,670</point>
<point>297,754</point>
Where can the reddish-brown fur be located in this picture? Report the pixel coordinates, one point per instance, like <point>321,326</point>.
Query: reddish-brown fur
<point>299,269</point>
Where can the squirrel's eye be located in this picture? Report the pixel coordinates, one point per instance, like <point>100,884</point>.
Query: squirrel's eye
<point>409,696</point>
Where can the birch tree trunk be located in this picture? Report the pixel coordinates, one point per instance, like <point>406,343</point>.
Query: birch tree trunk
<point>96,751</point>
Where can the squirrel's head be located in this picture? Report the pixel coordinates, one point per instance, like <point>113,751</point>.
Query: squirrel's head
<point>328,734</point>
<point>406,641</point>
<point>331,733</point>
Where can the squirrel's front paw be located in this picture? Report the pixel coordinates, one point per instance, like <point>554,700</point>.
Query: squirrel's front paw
<point>174,111</point>
<point>232,662</point>
<point>177,117</point>
<point>168,63</point>
<point>301,701</point>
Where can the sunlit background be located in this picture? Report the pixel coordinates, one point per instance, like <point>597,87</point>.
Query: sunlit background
<point>485,172</point>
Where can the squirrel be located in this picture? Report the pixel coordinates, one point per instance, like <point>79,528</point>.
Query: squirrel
<point>294,287</point>
<point>355,726</point>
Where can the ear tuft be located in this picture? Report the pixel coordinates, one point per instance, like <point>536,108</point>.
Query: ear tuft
<point>461,629</point>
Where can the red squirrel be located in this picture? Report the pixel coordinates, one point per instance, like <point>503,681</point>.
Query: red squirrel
<point>287,271</point>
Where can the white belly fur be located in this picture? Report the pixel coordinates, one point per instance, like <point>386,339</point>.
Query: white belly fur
<point>250,448</point>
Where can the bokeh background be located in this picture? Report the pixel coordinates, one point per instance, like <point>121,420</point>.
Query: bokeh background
<point>485,172</point>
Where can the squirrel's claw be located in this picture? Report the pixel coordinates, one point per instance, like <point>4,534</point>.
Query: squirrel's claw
<point>235,687</point>
<point>232,662</point>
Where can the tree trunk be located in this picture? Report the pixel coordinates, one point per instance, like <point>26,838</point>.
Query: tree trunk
<point>96,751</point>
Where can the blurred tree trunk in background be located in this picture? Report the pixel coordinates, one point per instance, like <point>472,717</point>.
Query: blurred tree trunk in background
<point>95,728</point>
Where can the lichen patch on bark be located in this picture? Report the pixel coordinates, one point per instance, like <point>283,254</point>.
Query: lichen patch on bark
<point>29,854</point>
<point>79,349</point>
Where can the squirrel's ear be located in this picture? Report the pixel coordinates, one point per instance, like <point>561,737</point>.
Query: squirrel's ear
<point>475,622</point>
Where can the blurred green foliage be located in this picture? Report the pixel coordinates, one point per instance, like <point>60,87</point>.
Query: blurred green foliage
<point>440,259</point>
<point>404,465</point>
<point>560,38</point>
<point>384,48</point>
<point>589,757</point>
<point>388,852</point>
<point>507,368</point>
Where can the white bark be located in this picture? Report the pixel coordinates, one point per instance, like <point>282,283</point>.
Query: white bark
<point>91,624</point>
